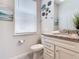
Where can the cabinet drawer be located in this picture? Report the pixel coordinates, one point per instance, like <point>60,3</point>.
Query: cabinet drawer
<point>65,42</point>
<point>48,43</point>
<point>65,45</point>
<point>62,53</point>
<point>47,56</point>
<point>48,51</point>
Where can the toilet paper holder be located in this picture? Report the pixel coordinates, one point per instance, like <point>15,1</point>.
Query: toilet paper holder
<point>20,42</point>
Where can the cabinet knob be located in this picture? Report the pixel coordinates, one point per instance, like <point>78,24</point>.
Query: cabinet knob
<point>57,50</point>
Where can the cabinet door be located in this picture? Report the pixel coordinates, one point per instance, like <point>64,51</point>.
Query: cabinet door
<point>49,52</point>
<point>62,53</point>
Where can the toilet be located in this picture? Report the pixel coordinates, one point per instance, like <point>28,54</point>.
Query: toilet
<point>37,51</point>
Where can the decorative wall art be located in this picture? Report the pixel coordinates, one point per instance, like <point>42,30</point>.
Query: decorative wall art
<point>46,14</point>
<point>46,9</point>
<point>49,11</point>
<point>45,17</point>
<point>43,14</point>
<point>6,15</point>
<point>49,3</point>
<point>43,7</point>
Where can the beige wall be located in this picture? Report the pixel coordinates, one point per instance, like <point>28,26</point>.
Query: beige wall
<point>8,42</point>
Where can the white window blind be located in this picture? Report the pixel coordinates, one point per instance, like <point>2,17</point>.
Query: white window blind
<point>25,16</point>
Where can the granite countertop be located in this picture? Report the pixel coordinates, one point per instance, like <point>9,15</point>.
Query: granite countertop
<point>69,37</point>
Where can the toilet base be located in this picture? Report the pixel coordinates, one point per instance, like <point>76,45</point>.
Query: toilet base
<point>38,55</point>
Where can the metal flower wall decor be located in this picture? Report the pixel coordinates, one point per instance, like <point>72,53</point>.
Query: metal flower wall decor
<point>6,15</point>
<point>45,8</point>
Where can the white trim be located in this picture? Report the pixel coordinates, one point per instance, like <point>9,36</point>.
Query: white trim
<point>25,33</point>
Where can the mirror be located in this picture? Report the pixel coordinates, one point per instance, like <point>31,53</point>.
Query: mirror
<point>66,11</point>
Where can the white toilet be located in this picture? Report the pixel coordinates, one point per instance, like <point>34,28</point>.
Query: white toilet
<point>37,51</point>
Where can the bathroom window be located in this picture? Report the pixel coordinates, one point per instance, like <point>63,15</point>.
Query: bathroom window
<point>25,16</point>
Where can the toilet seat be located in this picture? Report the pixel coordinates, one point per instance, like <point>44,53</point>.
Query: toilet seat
<point>37,47</point>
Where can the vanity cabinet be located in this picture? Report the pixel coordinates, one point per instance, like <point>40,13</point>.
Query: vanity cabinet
<point>55,48</point>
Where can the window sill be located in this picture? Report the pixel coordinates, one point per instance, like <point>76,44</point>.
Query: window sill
<point>25,34</point>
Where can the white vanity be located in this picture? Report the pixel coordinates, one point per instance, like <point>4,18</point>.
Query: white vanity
<point>59,47</point>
